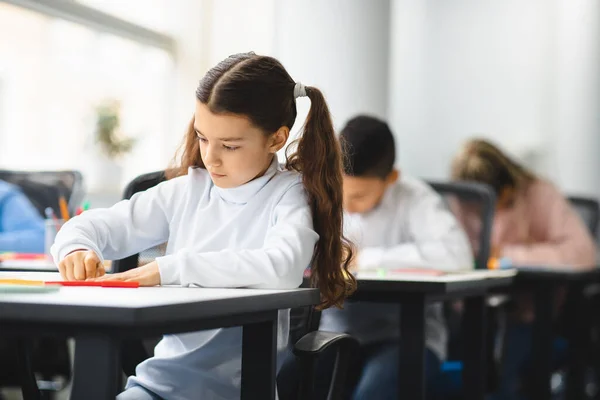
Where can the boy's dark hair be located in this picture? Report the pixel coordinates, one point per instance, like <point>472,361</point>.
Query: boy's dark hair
<point>368,146</point>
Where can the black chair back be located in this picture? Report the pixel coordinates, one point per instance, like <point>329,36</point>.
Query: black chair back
<point>44,188</point>
<point>469,197</point>
<point>139,184</point>
<point>589,211</point>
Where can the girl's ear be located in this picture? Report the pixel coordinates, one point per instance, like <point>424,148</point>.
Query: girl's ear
<point>278,139</point>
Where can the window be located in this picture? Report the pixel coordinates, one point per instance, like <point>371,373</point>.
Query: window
<point>53,74</point>
<point>151,14</point>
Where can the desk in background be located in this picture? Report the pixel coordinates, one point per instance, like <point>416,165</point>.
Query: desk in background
<point>544,282</point>
<point>413,293</point>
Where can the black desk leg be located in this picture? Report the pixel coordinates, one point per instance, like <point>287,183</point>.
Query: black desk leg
<point>97,367</point>
<point>24,365</point>
<point>578,338</point>
<point>541,348</point>
<point>411,379</point>
<point>259,354</point>
<point>475,354</point>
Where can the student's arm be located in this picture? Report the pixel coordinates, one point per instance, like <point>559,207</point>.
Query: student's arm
<point>438,241</point>
<point>22,228</point>
<point>286,252</point>
<point>126,228</point>
<point>561,237</point>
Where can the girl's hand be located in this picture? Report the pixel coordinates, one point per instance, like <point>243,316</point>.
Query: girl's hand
<point>146,275</point>
<point>80,265</point>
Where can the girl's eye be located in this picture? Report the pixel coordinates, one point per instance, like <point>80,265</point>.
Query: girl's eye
<point>231,148</point>
<point>201,139</point>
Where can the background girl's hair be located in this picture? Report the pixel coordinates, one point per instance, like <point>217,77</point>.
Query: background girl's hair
<point>482,161</point>
<point>260,88</point>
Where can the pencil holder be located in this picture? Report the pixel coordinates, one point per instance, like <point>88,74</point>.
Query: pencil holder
<point>52,228</point>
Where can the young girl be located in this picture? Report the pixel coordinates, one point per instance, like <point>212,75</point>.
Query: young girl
<point>232,218</point>
<point>533,225</point>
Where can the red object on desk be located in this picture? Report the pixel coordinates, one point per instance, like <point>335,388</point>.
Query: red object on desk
<point>21,256</point>
<point>108,284</point>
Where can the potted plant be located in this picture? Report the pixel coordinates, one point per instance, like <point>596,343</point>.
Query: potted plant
<point>108,135</point>
<point>110,146</point>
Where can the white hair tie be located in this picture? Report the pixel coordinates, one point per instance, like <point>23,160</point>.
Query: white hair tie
<point>299,90</point>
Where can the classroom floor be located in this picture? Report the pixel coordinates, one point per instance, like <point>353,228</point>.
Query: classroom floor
<point>15,394</point>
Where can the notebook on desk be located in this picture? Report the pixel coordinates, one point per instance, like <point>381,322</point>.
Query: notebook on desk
<point>25,265</point>
<point>417,274</point>
<point>8,289</point>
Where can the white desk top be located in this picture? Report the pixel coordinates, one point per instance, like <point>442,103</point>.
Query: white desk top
<point>162,309</point>
<point>474,275</point>
<point>125,297</point>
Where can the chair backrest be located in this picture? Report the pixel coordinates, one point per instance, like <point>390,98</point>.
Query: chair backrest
<point>139,184</point>
<point>44,188</point>
<point>589,211</point>
<point>472,196</point>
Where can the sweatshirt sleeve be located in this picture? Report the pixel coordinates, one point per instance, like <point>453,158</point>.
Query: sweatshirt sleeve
<point>558,236</point>
<point>126,228</point>
<point>287,250</point>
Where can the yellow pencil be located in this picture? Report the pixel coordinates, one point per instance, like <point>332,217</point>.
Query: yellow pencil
<point>64,210</point>
<point>21,282</point>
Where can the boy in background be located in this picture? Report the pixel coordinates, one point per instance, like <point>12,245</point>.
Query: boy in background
<point>395,221</point>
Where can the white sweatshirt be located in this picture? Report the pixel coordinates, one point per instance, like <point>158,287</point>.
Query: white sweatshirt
<point>258,235</point>
<point>411,227</point>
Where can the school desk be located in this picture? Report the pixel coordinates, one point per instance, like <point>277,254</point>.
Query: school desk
<point>99,318</point>
<point>543,282</point>
<point>413,292</point>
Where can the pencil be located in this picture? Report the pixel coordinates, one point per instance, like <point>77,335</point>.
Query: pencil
<point>64,211</point>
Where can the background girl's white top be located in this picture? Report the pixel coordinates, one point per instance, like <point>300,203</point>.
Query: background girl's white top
<point>258,235</point>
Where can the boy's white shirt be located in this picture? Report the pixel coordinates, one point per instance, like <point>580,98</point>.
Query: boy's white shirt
<point>411,227</point>
<point>258,235</point>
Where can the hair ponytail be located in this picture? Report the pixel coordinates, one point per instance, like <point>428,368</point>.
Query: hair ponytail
<point>318,156</point>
